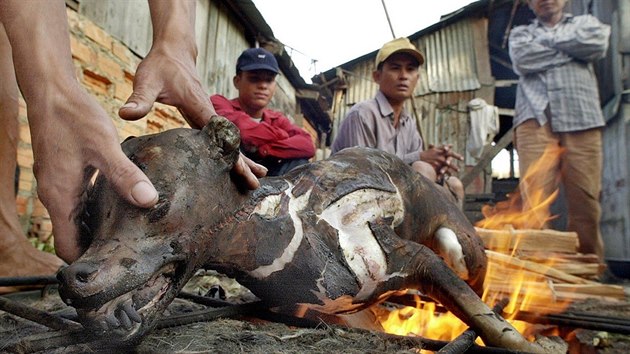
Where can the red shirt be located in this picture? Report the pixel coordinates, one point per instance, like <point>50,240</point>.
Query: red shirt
<point>275,135</point>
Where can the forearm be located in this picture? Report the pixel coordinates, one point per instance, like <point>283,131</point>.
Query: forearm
<point>174,25</point>
<point>587,40</point>
<point>535,58</point>
<point>294,147</point>
<point>38,33</point>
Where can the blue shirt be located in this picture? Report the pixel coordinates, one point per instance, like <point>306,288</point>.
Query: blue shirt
<point>556,78</point>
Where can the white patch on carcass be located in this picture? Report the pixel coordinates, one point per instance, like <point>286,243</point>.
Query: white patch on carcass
<point>269,206</point>
<point>451,251</point>
<point>296,205</point>
<point>350,216</point>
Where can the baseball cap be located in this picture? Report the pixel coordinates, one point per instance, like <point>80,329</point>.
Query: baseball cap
<point>256,59</point>
<point>398,45</point>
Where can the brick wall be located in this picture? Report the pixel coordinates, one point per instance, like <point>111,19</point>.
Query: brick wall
<point>106,68</point>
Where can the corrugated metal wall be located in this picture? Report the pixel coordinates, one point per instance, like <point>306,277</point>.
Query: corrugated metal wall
<point>450,61</point>
<point>615,224</point>
<point>611,71</point>
<point>220,40</point>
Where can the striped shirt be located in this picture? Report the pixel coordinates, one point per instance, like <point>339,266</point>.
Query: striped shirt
<point>371,124</point>
<point>556,78</point>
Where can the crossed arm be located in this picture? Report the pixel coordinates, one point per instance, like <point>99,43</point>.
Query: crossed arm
<point>532,51</point>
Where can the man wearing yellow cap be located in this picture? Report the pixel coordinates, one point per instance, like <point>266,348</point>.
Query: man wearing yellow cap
<point>383,122</point>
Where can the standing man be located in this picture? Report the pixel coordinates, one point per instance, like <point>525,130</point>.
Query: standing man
<point>557,105</point>
<point>383,122</point>
<point>267,137</point>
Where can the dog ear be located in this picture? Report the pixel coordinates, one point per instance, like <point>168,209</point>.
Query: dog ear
<point>225,135</point>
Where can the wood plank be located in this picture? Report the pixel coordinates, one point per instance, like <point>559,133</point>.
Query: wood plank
<point>529,240</point>
<point>548,271</point>
<point>487,157</point>
<point>542,257</point>
<point>579,269</point>
<point>606,290</point>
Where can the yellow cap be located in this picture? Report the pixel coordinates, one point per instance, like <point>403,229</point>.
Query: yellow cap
<point>398,45</point>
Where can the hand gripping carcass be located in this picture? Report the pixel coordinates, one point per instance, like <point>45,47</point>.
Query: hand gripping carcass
<point>337,235</point>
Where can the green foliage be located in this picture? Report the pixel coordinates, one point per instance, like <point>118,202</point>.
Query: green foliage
<point>46,246</point>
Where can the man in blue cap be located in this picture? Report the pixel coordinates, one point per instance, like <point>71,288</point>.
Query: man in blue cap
<point>267,136</point>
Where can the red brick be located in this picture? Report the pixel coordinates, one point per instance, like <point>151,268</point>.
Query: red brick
<point>97,34</point>
<point>22,110</point>
<point>74,22</point>
<point>21,203</point>
<point>82,52</point>
<point>122,90</point>
<point>109,67</point>
<point>24,158</point>
<point>25,184</point>
<point>132,129</point>
<point>96,83</point>
<point>39,209</point>
<point>121,52</point>
<point>154,125</point>
<point>25,133</point>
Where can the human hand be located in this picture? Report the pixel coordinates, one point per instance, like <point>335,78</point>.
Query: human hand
<point>67,153</point>
<point>441,158</point>
<point>71,135</point>
<point>168,79</point>
<point>247,170</point>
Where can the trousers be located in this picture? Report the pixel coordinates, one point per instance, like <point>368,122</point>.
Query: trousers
<point>578,168</point>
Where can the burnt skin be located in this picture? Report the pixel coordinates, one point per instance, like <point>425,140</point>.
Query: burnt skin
<point>336,235</point>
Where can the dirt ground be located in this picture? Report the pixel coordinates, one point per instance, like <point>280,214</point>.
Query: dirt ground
<point>252,335</point>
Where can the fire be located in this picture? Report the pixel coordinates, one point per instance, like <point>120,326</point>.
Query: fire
<point>526,290</point>
<point>423,320</point>
<point>527,208</point>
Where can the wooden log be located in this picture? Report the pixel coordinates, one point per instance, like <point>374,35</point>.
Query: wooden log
<point>553,257</point>
<point>465,340</point>
<point>497,272</point>
<point>535,289</point>
<point>613,292</point>
<point>529,240</point>
<point>579,269</point>
<point>36,315</point>
<point>536,268</point>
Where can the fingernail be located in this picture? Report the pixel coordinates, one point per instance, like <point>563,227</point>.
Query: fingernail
<point>144,193</point>
<point>130,105</point>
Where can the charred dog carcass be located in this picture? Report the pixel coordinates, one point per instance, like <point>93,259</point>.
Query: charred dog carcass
<point>336,235</point>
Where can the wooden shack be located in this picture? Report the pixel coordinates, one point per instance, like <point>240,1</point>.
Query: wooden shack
<point>467,57</point>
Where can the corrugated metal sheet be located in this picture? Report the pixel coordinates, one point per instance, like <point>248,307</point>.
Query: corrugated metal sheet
<point>615,222</point>
<point>445,118</point>
<point>450,59</point>
<point>615,198</point>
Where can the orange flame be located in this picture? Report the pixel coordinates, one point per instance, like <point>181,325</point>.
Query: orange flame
<point>526,290</point>
<point>528,207</point>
